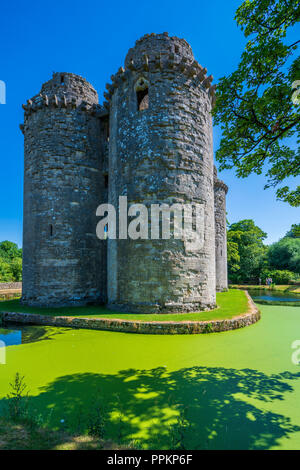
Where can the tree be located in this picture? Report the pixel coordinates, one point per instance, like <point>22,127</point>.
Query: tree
<point>10,262</point>
<point>233,257</point>
<point>5,271</point>
<point>248,239</point>
<point>16,269</point>
<point>254,103</point>
<point>285,254</point>
<point>9,250</point>
<point>294,231</point>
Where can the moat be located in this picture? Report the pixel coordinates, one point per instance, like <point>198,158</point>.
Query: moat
<point>240,388</point>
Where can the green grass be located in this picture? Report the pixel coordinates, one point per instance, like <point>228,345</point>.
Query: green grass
<point>230,304</point>
<point>295,289</point>
<point>287,303</point>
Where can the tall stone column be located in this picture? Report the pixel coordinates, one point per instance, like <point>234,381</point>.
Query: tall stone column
<point>63,261</point>
<point>221,234</point>
<point>161,151</point>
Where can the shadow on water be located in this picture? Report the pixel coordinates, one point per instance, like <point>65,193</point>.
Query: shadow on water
<point>16,334</point>
<point>220,405</point>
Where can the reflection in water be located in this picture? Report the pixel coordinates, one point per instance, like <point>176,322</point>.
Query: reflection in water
<point>22,334</point>
<point>10,337</point>
<point>264,294</point>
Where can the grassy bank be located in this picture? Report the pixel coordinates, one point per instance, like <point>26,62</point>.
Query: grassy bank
<point>295,289</point>
<point>17,436</point>
<point>240,389</point>
<point>287,303</point>
<point>230,304</point>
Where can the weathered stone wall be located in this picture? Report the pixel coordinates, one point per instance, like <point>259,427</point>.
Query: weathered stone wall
<point>162,154</point>
<point>220,191</point>
<point>63,260</point>
<point>10,285</point>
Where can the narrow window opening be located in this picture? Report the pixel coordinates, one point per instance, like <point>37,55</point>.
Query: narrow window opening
<point>105,180</point>
<point>176,50</point>
<point>104,126</point>
<point>142,99</point>
<point>62,79</point>
<point>107,130</point>
<point>51,230</point>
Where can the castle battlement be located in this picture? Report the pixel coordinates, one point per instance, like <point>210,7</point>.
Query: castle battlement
<point>151,140</point>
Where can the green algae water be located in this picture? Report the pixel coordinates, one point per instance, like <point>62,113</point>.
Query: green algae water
<point>239,389</point>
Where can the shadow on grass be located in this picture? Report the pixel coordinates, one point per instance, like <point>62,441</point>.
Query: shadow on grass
<point>219,404</point>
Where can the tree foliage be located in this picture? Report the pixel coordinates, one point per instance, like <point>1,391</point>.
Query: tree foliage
<point>249,251</point>
<point>10,262</point>
<point>254,103</point>
<point>294,231</point>
<point>278,276</point>
<point>285,254</point>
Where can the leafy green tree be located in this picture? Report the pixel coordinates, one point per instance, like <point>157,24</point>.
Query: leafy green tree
<point>285,254</point>
<point>233,257</point>
<point>9,250</point>
<point>248,239</point>
<point>16,269</point>
<point>6,274</point>
<point>254,103</point>
<point>10,262</point>
<point>278,276</point>
<point>294,231</point>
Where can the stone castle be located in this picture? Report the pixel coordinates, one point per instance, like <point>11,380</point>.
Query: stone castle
<point>151,140</point>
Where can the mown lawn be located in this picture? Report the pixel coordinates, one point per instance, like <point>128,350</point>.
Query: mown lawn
<point>230,304</point>
<point>295,289</point>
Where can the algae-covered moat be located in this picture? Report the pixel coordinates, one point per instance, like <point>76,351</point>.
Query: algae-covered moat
<point>239,389</point>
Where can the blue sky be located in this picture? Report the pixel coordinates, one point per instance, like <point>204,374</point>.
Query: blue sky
<point>91,38</point>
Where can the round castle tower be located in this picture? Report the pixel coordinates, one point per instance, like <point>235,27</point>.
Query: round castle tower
<point>221,190</point>
<point>161,151</point>
<point>63,260</point>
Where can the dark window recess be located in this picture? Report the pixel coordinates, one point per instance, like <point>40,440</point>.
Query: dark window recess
<point>106,181</point>
<point>104,126</point>
<point>62,79</point>
<point>176,50</point>
<point>51,230</point>
<point>142,99</point>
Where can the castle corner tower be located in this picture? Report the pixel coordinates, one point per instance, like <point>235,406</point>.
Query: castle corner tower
<point>63,261</point>
<point>161,152</point>
<point>220,190</point>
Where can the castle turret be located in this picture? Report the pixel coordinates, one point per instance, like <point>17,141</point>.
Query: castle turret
<point>161,151</point>
<point>63,260</point>
<point>220,189</point>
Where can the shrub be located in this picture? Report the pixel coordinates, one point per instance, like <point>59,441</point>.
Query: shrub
<point>278,276</point>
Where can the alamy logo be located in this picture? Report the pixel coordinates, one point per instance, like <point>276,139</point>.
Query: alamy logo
<point>160,221</point>
<point>296,354</point>
<point>2,92</point>
<point>2,352</point>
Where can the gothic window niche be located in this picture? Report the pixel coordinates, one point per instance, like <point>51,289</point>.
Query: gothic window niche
<point>142,94</point>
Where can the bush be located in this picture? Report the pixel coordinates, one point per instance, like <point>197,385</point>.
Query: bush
<point>10,262</point>
<point>278,276</point>
<point>285,254</point>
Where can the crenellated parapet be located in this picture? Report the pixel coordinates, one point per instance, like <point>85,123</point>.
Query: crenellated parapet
<point>53,101</point>
<point>161,53</point>
<point>219,184</point>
